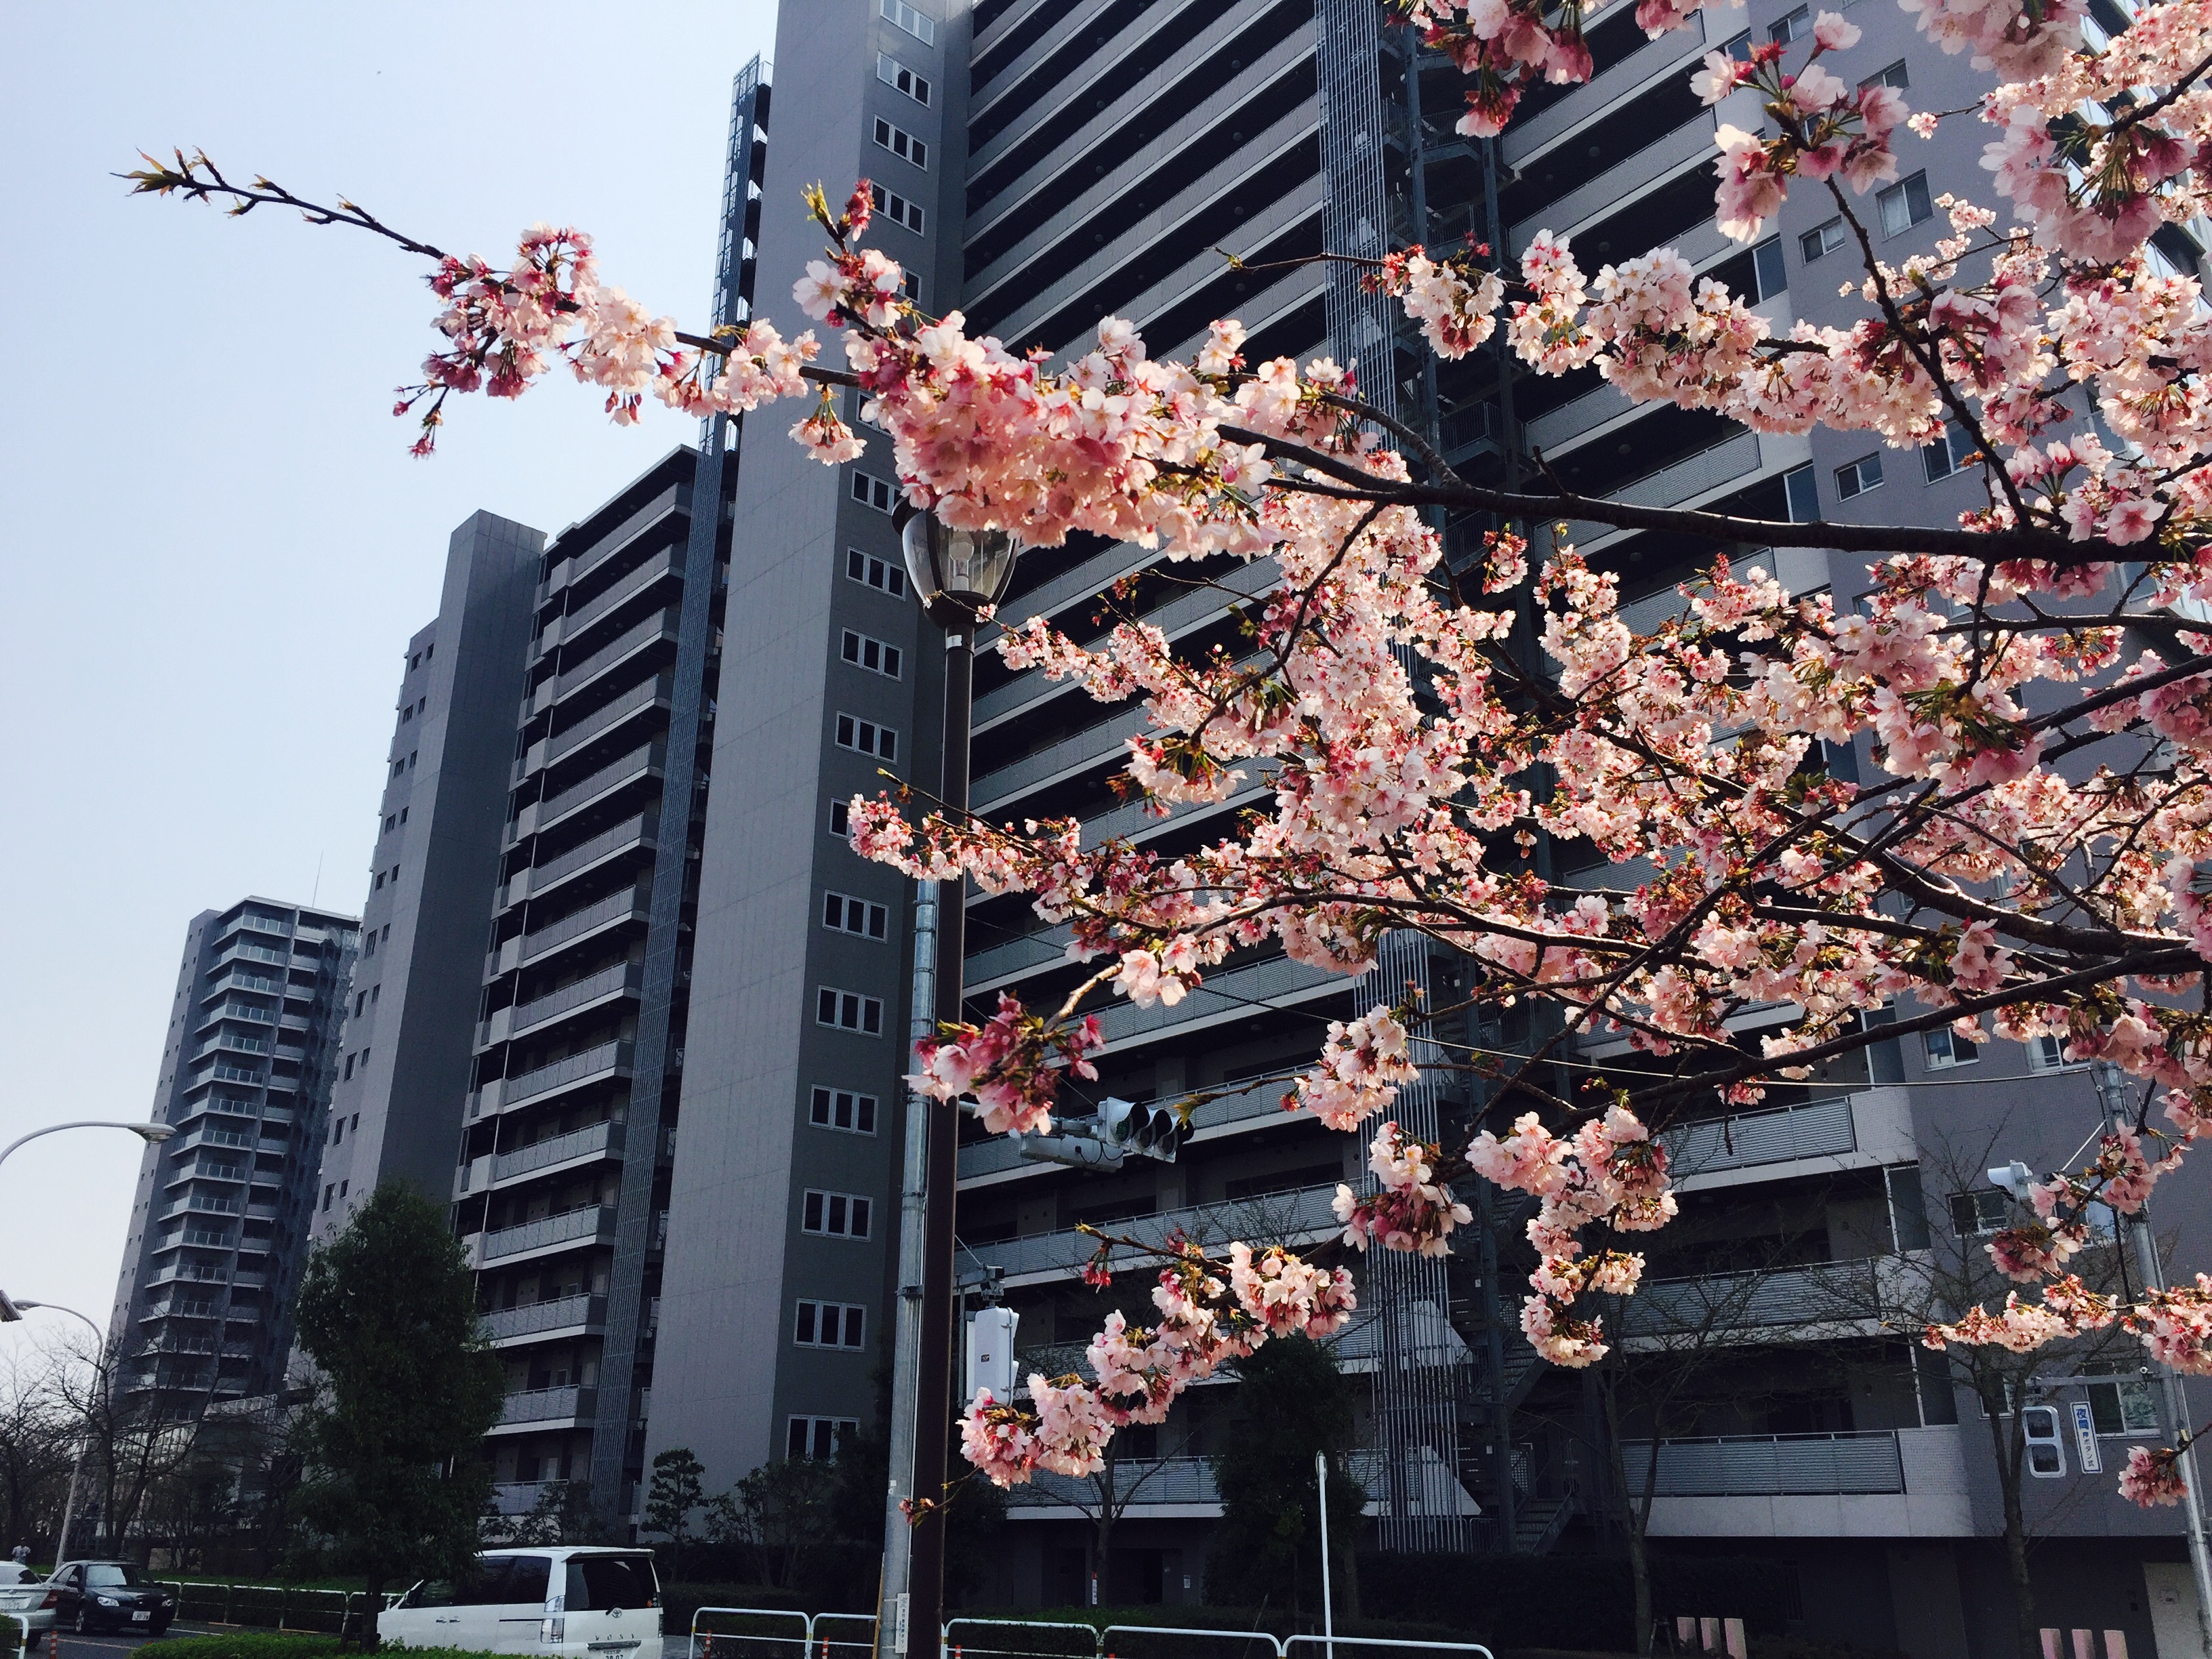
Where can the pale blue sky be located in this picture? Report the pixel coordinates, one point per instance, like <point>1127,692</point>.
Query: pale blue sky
<point>212,541</point>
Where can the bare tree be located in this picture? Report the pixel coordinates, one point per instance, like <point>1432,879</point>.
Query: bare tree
<point>34,1448</point>
<point>131,1439</point>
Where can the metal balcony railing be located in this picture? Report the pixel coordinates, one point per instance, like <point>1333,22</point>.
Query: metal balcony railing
<point>558,933</point>
<point>590,1222</point>
<point>1818,1293</point>
<point>1769,1465</point>
<point>606,1057</point>
<point>1287,1216</point>
<point>562,1313</point>
<point>1822,1128</point>
<point>544,1405</point>
<point>557,1149</point>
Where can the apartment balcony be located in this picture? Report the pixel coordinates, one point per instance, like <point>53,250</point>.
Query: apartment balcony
<point>518,1497</point>
<point>547,1408</point>
<point>1667,154</point>
<point>562,1318</point>
<point>1881,1483</point>
<point>1685,482</point>
<point>642,700</point>
<point>1813,1301</point>
<point>607,1062</point>
<point>185,1273</point>
<point>1105,740</point>
<point>624,647</point>
<point>245,953</point>
<point>519,1019</point>
<point>540,815</point>
<point>1299,1216</point>
<point>212,1136</point>
<point>567,571</point>
<point>231,1042</point>
<point>556,1153</point>
<point>573,1228</point>
<point>202,1204</point>
<point>593,920</point>
<point>1172,1488</point>
<point>198,1169</point>
<point>662,566</point>
<point>608,844</point>
<point>221,1073</point>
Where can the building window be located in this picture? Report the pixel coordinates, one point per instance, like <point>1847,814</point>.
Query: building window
<point>892,205</point>
<point>1738,46</point>
<point>879,573</point>
<point>329,1192</point>
<point>2046,1452</point>
<point>835,1215</point>
<point>1803,493</point>
<point>1770,276</point>
<point>1795,26</point>
<point>830,1325</point>
<point>850,915</point>
<point>1821,240</point>
<point>873,492</point>
<point>1980,1213</point>
<point>871,653</point>
<point>898,12</point>
<point>867,737</point>
<point>1893,77</point>
<point>848,1010</point>
<point>1945,1048</point>
<point>892,73</point>
<point>2047,1053</point>
<point>1857,478</point>
<point>841,819</point>
<point>1904,204</point>
<point>349,1069</point>
<point>842,1109</point>
<point>819,1437</point>
<point>2126,1404</point>
<point>902,144</point>
<point>1949,453</point>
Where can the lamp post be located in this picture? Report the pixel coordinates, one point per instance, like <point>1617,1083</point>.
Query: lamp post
<point>155,1132</point>
<point>12,1313</point>
<point>956,575</point>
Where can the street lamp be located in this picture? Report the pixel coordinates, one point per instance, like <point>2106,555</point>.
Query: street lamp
<point>12,1313</point>
<point>156,1132</point>
<point>956,575</point>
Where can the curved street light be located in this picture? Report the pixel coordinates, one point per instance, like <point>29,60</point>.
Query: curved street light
<point>11,1312</point>
<point>956,575</point>
<point>154,1133</point>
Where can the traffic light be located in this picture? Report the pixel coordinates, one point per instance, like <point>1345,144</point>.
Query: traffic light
<point>1153,1131</point>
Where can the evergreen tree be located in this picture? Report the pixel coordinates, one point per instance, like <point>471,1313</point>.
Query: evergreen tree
<point>1291,1403</point>
<point>408,1389</point>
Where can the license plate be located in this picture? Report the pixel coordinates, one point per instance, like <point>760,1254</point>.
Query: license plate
<point>142,1618</point>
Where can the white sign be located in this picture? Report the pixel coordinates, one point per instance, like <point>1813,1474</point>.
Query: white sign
<point>2085,1438</point>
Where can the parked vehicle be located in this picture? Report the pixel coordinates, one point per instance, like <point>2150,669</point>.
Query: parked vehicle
<point>95,1595</point>
<point>596,1603</point>
<point>26,1600</point>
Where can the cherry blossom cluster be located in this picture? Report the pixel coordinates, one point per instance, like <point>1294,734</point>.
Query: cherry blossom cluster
<point>1412,1209</point>
<point>1362,1063</point>
<point>1456,305</point>
<point>1206,1319</point>
<point>505,328</point>
<point>1010,1064</point>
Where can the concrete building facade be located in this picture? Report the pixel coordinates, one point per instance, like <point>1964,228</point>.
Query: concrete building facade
<point>219,1225</point>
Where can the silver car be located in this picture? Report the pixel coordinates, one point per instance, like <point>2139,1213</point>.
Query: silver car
<point>29,1600</point>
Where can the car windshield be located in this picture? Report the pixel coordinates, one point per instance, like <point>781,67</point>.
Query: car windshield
<point>109,1573</point>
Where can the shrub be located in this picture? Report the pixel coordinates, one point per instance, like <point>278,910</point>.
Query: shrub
<point>242,1644</point>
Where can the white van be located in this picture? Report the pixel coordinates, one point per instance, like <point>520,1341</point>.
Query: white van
<point>590,1603</point>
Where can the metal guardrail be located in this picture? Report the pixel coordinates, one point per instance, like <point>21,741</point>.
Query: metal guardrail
<point>1770,1465</point>
<point>1105,1641</point>
<point>321,1612</point>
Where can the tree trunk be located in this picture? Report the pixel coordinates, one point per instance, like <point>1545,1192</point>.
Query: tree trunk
<point>2009,1437</point>
<point>372,1604</point>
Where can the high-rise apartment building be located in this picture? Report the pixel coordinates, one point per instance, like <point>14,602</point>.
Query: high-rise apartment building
<point>219,1225</point>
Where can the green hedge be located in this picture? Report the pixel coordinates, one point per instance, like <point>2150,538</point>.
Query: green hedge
<point>257,1645</point>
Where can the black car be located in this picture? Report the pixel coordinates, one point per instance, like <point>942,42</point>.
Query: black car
<point>90,1595</point>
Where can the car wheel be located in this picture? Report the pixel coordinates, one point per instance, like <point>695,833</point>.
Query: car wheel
<point>84,1622</point>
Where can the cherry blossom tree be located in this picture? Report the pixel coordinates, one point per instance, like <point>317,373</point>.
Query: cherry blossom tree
<point>2030,684</point>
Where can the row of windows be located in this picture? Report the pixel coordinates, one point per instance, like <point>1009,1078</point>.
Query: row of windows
<point>879,574</point>
<point>892,73</point>
<point>874,492</point>
<point>902,144</point>
<point>1900,207</point>
<point>866,737</point>
<point>830,1325</point>
<point>836,1215</point>
<point>848,1010</point>
<point>846,914</point>
<point>871,654</point>
<point>914,22</point>
<point>842,1109</point>
<point>894,206</point>
<point>819,1437</point>
<point>1939,459</point>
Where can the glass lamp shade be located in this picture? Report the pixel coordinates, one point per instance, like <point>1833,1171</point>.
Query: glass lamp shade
<point>956,573</point>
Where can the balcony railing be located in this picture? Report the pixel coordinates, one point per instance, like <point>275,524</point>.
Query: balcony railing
<point>1822,1128</point>
<point>636,831</point>
<point>1297,1213</point>
<point>1819,1293</point>
<point>545,1404</point>
<point>562,1313</point>
<point>660,626</point>
<point>538,814</point>
<point>528,1016</point>
<point>1769,1465</point>
<point>592,1222</point>
<point>606,1057</point>
<point>557,1149</point>
<point>644,696</point>
<point>554,934</point>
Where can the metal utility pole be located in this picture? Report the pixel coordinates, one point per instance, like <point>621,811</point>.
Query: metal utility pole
<point>956,575</point>
<point>2112,1097</point>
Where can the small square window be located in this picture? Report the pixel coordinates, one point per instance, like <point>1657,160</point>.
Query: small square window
<point>1857,478</point>
<point>1795,26</point>
<point>1904,204</point>
<point>1803,493</point>
<point>1894,77</point>
<point>841,819</point>
<point>1766,266</point>
<point>1821,240</point>
<point>2124,1406</point>
<point>1949,453</point>
<point>1980,1213</point>
<point>2047,1053</point>
<point>1945,1048</point>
